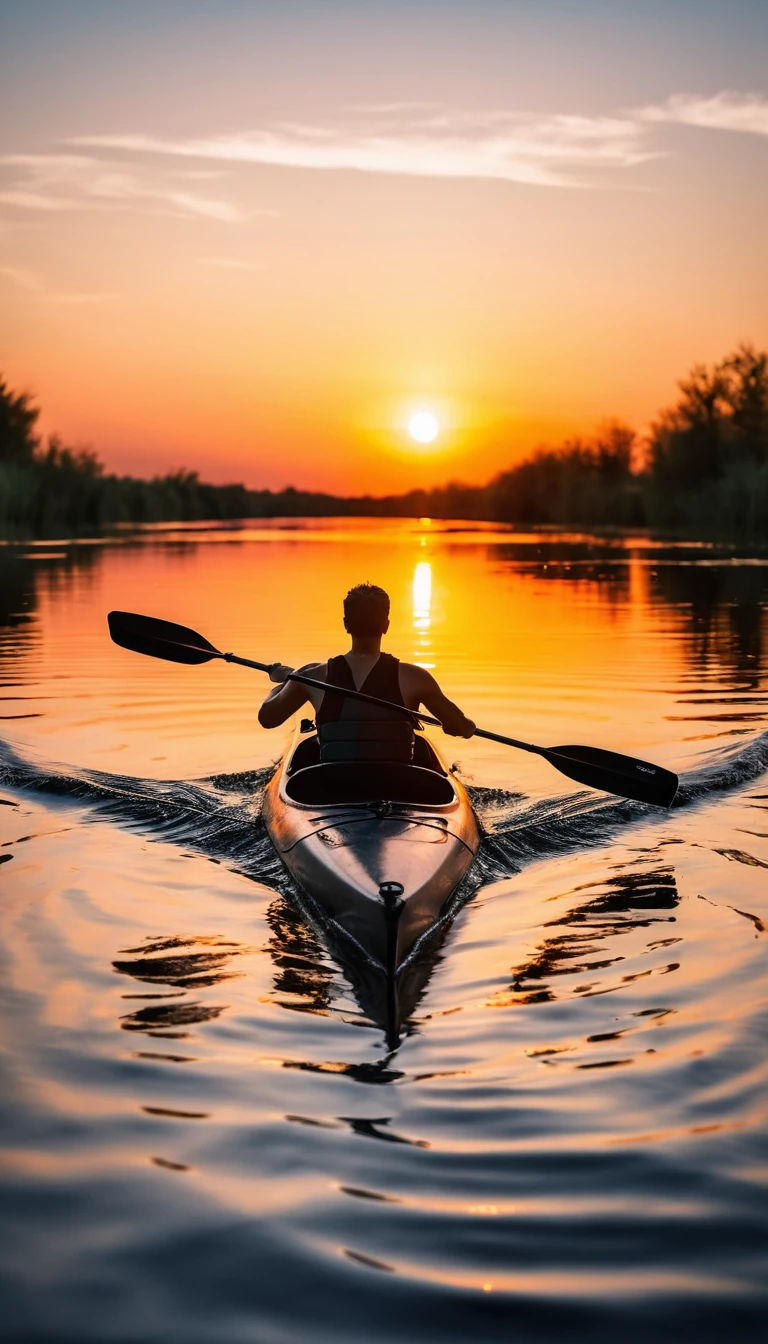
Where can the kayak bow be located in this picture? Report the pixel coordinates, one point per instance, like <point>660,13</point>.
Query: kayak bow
<point>380,848</point>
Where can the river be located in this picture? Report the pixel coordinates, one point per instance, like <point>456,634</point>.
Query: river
<point>204,1134</point>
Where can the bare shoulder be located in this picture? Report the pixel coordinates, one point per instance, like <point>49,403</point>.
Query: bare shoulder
<point>416,677</point>
<point>318,670</point>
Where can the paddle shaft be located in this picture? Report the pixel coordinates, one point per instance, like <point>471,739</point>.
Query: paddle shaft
<point>384,704</point>
<point>593,766</point>
<point>337,690</point>
<point>413,714</point>
<point>403,709</point>
<point>374,700</point>
<point>550,754</point>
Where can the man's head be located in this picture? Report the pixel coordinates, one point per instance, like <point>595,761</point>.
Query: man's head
<point>366,610</point>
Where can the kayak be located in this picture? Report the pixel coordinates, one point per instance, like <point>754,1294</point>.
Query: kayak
<point>380,847</point>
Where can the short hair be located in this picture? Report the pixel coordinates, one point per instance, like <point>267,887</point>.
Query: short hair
<point>366,610</point>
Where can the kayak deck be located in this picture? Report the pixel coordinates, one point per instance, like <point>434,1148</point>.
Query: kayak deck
<point>379,847</point>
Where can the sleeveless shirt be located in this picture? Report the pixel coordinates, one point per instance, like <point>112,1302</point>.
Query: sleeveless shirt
<point>383,681</point>
<point>351,730</point>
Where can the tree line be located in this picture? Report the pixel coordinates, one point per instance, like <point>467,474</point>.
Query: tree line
<point>702,468</point>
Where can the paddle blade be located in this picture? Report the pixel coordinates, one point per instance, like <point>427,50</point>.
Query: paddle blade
<point>159,639</point>
<point>622,775</point>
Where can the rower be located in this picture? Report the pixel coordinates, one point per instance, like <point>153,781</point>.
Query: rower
<point>351,729</point>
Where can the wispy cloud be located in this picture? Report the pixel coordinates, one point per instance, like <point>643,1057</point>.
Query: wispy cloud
<point>727,111</point>
<point>425,140</point>
<point>32,283</point>
<point>23,278</point>
<point>511,147</point>
<point>154,174</point>
<point>61,182</point>
<point>33,200</point>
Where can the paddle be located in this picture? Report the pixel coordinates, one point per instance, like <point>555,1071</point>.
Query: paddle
<point>625,776</point>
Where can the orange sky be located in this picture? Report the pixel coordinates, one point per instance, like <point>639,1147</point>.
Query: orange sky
<point>254,241</point>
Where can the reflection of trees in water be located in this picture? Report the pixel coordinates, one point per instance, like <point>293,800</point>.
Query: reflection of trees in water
<point>724,606</point>
<point>626,902</point>
<point>77,563</point>
<point>18,591</point>
<point>22,582</point>
<point>601,568</point>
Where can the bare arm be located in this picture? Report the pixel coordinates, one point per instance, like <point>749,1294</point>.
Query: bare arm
<point>284,700</point>
<point>453,721</point>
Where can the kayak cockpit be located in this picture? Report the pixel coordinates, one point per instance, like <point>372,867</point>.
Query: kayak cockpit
<point>422,784</point>
<point>347,782</point>
<point>307,753</point>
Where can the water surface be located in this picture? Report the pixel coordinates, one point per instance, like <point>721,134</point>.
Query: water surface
<point>204,1134</point>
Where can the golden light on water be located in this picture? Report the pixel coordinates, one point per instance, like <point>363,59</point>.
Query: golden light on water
<point>422,612</point>
<point>422,595</point>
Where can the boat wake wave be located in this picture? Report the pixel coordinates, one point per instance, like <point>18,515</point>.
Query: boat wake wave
<point>519,830</point>
<point>220,816</point>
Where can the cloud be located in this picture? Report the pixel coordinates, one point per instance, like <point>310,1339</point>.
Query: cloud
<point>160,175</point>
<point>23,278</point>
<point>56,182</point>
<point>727,111</point>
<point>425,140</point>
<point>33,284</point>
<point>31,200</point>
<point>511,147</point>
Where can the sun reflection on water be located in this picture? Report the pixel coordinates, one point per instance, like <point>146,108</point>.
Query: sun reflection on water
<point>422,611</point>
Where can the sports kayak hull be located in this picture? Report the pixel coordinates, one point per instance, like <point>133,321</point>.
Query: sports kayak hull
<point>380,849</point>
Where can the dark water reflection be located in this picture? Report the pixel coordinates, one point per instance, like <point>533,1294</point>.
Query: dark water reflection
<point>622,904</point>
<point>204,1134</point>
<point>185,968</point>
<point>301,979</point>
<point>720,594</point>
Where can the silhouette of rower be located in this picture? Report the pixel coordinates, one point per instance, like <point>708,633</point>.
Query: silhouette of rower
<point>350,729</point>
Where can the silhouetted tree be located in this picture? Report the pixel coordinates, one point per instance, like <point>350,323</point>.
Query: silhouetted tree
<point>704,469</point>
<point>746,372</point>
<point>721,418</point>
<point>708,454</point>
<point>18,417</point>
<point>584,481</point>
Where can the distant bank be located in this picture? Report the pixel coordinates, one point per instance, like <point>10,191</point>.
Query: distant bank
<point>703,469</point>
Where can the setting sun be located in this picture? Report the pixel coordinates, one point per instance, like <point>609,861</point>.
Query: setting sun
<point>423,427</point>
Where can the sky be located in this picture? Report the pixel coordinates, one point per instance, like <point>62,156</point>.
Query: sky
<point>254,239</point>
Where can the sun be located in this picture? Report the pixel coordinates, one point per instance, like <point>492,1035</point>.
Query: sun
<point>423,427</point>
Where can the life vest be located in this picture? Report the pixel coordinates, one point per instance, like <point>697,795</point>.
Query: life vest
<point>350,730</point>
